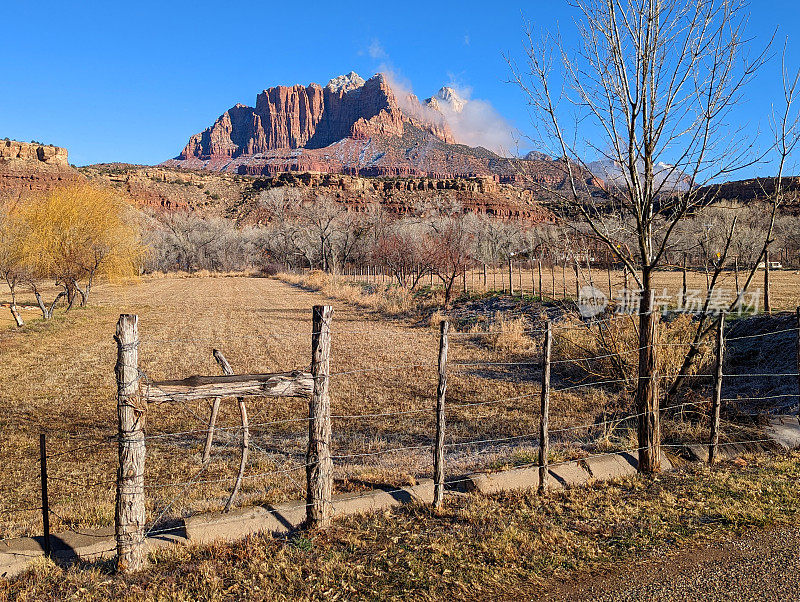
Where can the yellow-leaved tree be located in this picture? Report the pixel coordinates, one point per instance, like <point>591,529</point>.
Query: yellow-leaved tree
<point>76,234</point>
<point>12,259</point>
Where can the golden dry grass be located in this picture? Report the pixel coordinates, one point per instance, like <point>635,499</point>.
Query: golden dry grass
<point>58,377</point>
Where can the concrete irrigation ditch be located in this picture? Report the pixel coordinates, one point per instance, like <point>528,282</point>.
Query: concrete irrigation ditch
<point>781,434</point>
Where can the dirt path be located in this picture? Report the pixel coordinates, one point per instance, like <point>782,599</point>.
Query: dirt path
<point>758,566</point>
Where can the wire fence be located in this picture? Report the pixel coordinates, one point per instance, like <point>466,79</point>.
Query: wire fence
<point>485,431</point>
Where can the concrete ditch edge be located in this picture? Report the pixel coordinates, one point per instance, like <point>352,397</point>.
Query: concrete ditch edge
<point>17,555</point>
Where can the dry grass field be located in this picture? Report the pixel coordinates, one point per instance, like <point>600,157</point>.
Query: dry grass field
<point>57,378</point>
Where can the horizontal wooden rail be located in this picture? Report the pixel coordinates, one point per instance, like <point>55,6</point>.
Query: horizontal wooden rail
<point>283,384</point>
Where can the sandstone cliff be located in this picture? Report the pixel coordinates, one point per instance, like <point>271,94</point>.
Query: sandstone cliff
<point>26,167</point>
<point>236,196</point>
<point>309,117</point>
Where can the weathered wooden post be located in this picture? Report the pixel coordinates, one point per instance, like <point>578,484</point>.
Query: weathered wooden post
<point>684,286</point>
<point>767,301</point>
<point>228,371</point>
<point>544,435</point>
<point>319,464</point>
<point>131,412</point>
<point>533,282</point>
<point>577,280</point>
<point>212,421</point>
<point>510,277</point>
<point>45,500</point>
<point>716,401</point>
<point>438,452</point>
<point>539,269</point>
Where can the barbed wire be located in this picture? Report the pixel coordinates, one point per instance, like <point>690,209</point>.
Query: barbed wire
<point>764,398</point>
<point>763,334</point>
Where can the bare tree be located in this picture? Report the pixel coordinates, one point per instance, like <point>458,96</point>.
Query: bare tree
<point>451,245</point>
<point>12,260</point>
<point>404,249</point>
<point>653,81</point>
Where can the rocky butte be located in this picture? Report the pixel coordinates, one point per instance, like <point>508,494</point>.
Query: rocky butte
<point>30,166</point>
<point>354,127</point>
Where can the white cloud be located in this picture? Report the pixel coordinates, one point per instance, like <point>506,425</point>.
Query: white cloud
<point>477,124</point>
<point>376,50</point>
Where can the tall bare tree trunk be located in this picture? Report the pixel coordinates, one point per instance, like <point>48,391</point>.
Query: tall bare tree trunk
<point>647,387</point>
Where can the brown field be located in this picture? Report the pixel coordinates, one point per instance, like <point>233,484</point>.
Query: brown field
<point>58,378</point>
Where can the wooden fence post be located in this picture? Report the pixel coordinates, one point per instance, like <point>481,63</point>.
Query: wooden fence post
<point>544,435</point>
<point>684,287</point>
<point>228,371</point>
<point>210,432</point>
<point>438,452</point>
<point>131,412</point>
<point>319,469</point>
<point>716,402</point>
<point>533,282</point>
<point>767,301</point>
<point>45,501</point>
<point>510,277</point>
<point>577,280</point>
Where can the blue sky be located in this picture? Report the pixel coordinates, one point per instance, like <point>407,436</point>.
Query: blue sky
<point>131,81</point>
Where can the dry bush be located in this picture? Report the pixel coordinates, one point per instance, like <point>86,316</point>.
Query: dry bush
<point>507,335</point>
<point>388,299</point>
<point>436,319</point>
<point>615,345</point>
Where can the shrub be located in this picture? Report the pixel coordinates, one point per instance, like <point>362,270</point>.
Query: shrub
<point>271,268</point>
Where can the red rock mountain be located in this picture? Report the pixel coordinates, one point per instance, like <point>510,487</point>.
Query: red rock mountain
<point>310,118</point>
<point>352,127</point>
<point>30,166</point>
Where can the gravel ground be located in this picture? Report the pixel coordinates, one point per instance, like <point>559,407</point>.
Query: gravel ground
<point>759,566</point>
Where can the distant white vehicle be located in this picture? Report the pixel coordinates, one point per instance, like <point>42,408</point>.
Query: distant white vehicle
<point>773,265</point>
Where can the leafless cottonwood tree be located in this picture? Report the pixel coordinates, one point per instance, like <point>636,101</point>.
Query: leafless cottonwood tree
<point>650,89</point>
<point>785,125</point>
